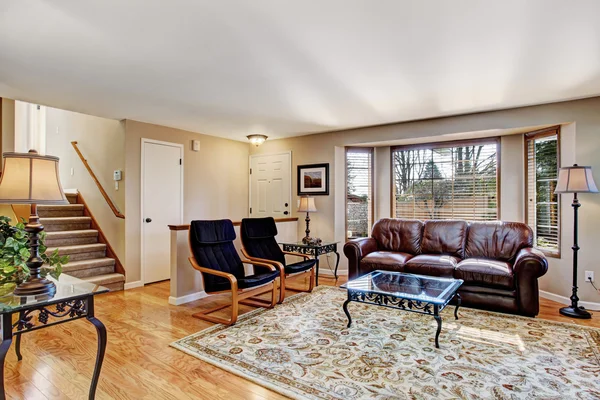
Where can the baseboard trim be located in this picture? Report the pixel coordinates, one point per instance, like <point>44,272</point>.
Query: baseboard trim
<point>133,285</point>
<point>327,272</point>
<point>588,305</point>
<point>177,301</point>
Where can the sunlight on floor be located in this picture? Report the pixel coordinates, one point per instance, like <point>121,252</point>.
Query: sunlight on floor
<point>488,337</point>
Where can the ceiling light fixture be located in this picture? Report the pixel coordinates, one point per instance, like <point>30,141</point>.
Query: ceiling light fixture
<point>257,140</point>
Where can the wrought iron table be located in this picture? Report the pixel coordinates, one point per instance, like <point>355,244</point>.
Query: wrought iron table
<point>314,250</point>
<point>409,292</point>
<point>74,299</point>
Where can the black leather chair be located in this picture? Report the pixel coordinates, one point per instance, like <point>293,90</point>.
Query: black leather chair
<point>211,244</point>
<point>259,245</point>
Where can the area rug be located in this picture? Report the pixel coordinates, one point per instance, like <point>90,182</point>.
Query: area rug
<point>303,350</point>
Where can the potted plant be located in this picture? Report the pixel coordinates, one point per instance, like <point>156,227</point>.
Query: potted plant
<point>14,253</point>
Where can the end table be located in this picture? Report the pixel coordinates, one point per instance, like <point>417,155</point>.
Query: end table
<point>314,250</point>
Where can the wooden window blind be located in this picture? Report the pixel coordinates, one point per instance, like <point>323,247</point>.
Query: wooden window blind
<point>359,192</point>
<point>449,180</point>
<point>543,206</point>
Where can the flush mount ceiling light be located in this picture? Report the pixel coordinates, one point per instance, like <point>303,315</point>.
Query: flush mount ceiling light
<point>257,140</point>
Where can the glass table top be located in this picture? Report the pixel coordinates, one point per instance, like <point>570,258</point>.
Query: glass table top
<point>407,286</point>
<point>67,287</point>
<point>300,244</point>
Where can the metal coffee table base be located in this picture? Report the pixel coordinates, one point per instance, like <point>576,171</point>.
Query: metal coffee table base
<point>399,303</point>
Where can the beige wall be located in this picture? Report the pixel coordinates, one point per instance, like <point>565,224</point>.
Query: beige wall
<point>102,142</point>
<point>584,116</point>
<point>215,181</point>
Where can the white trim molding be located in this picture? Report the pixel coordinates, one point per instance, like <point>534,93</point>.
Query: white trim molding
<point>588,305</point>
<point>176,301</point>
<point>133,285</point>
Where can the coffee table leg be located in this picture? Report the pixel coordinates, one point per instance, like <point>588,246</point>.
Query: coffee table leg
<point>436,315</point>
<point>458,303</point>
<point>345,307</point>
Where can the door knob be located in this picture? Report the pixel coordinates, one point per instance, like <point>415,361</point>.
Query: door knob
<point>285,213</point>
<point>148,220</point>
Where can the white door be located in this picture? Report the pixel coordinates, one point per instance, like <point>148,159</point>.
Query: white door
<point>271,185</point>
<point>162,205</point>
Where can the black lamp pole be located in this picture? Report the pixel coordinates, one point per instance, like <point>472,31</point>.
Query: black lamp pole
<point>575,311</point>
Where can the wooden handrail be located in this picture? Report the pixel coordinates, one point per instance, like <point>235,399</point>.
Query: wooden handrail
<point>112,206</point>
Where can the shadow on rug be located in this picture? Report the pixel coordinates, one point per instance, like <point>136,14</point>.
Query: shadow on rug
<point>302,349</point>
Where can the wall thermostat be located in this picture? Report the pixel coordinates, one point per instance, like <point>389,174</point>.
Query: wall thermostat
<point>195,145</point>
<point>118,175</point>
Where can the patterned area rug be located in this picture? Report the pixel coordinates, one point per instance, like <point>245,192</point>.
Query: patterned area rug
<point>302,349</point>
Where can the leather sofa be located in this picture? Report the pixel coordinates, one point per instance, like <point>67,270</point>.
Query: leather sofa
<point>496,260</point>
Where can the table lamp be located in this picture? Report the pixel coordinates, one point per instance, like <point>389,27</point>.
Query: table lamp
<point>575,179</point>
<point>29,178</point>
<point>307,205</point>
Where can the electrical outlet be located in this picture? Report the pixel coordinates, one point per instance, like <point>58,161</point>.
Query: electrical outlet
<point>589,276</point>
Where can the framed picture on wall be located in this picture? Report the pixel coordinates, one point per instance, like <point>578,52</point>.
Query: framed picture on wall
<point>313,180</point>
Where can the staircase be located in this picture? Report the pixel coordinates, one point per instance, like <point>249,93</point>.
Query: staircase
<point>69,228</point>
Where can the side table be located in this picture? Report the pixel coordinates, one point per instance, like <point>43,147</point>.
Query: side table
<point>314,250</point>
<point>74,299</point>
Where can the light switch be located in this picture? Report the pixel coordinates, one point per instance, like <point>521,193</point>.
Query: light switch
<point>195,145</point>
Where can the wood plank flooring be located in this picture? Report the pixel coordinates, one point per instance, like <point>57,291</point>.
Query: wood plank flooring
<point>139,364</point>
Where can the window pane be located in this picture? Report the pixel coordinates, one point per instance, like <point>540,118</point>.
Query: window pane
<point>446,182</point>
<point>543,209</point>
<point>358,192</point>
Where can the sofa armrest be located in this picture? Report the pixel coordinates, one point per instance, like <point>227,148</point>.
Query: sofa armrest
<point>529,265</point>
<point>355,250</point>
<point>530,261</point>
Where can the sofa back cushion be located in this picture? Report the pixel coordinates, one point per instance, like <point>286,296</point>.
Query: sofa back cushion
<point>497,240</point>
<point>403,235</point>
<point>446,237</point>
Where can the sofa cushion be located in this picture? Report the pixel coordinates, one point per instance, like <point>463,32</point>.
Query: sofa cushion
<point>384,260</point>
<point>432,264</point>
<point>497,240</point>
<point>481,271</point>
<point>401,235</point>
<point>444,237</point>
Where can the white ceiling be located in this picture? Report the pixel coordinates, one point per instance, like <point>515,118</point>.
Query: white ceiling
<point>291,67</point>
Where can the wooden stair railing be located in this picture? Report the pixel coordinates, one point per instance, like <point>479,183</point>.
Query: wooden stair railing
<point>111,204</point>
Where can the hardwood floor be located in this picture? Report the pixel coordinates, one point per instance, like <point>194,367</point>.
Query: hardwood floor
<point>139,364</point>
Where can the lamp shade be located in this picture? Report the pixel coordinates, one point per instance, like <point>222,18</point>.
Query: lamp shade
<point>575,179</point>
<point>29,178</point>
<point>307,204</point>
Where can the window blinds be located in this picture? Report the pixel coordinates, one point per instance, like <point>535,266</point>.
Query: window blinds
<point>543,210</point>
<point>359,186</point>
<point>449,182</point>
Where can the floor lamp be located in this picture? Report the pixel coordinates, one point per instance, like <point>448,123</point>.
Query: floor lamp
<point>575,179</point>
<point>30,178</point>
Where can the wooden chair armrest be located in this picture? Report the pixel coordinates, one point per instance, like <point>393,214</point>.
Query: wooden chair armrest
<point>262,260</point>
<point>271,267</point>
<point>291,253</point>
<point>204,270</point>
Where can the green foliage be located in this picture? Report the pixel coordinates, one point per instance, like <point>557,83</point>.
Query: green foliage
<point>14,253</point>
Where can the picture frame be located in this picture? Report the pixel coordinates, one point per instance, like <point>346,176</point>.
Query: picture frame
<point>313,180</point>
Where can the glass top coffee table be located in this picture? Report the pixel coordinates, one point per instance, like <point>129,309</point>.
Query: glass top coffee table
<point>415,293</point>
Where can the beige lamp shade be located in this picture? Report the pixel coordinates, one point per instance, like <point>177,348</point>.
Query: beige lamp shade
<point>575,179</point>
<point>29,178</point>
<point>307,204</point>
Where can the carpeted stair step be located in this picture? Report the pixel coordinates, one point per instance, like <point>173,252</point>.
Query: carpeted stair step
<point>66,223</point>
<point>80,252</point>
<point>90,268</point>
<point>71,197</point>
<point>70,238</point>
<point>71,210</point>
<point>113,281</point>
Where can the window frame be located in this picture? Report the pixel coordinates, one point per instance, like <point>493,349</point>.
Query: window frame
<point>359,149</point>
<point>555,130</point>
<point>453,143</point>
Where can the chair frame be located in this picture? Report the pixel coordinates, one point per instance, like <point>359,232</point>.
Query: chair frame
<point>282,274</point>
<point>238,296</point>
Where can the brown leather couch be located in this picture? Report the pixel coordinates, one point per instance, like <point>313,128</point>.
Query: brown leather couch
<point>496,260</point>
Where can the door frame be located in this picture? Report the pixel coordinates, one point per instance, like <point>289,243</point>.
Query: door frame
<point>289,152</point>
<point>142,176</point>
